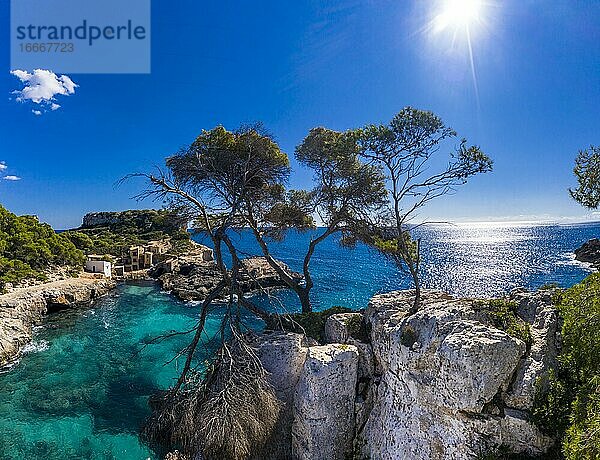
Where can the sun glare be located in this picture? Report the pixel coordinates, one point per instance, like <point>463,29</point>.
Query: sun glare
<point>458,14</point>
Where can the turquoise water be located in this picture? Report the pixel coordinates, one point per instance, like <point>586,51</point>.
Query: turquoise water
<point>80,391</point>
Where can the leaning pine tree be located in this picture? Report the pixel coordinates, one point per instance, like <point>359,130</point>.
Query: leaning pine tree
<point>346,192</point>
<point>227,409</point>
<point>407,149</point>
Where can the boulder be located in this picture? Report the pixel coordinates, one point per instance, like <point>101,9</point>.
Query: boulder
<point>589,252</point>
<point>442,384</point>
<point>282,355</point>
<point>347,328</point>
<point>338,327</point>
<point>192,276</point>
<point>323,425</point>
<point>444,373</point>
<point>544,325</point>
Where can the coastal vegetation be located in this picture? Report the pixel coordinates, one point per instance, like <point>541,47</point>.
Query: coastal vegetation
<point>312,324</point>
<point>29,249</point>
<point>568,403</point>
<point>587,173</point>
<point>502,314</point>
<point>111,232</point>
<point>227,180</point>
<point>406,150</point>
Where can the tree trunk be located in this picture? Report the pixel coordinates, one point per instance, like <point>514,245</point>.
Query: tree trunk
<point>417,283</point>
<point>303,295</point>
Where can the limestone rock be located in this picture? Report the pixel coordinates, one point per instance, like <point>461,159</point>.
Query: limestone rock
<point>589,252</point>
<point>282,355</point>
<point>323,424</point>
<point>440,369</point>
<point>337,327</point>
<point>443,383</point>
<point>20,310</point>
<point>191,277</point>
<point>342,328</point>
<point>544,325</point>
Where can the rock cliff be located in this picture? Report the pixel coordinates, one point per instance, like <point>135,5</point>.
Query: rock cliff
<point>445,383</point>
<point>22,309</point>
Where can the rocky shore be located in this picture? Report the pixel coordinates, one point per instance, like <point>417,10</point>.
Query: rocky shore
<point>22,309</point>
<point>443,384</point>
<point>193,275</point>
<point>589,252</point>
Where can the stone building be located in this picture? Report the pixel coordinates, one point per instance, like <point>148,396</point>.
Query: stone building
<point>97,264</point>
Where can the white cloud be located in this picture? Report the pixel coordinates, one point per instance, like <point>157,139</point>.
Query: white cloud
<point>3,165</point>
<point>11,178</point>
<point>41,87</point>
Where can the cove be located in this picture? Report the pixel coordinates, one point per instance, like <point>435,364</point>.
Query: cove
<point>81,389</point>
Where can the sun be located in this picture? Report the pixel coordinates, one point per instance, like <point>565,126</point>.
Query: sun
<point>457,14</point>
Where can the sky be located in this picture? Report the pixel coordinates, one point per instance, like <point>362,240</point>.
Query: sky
<point>529,97</point>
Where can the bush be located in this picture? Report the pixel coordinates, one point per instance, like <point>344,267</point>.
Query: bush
<point>569,404</point>
<point>312,324</point>
<point>503,315</point>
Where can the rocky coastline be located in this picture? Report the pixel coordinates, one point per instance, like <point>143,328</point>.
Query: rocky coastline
<point>192,275</point>
<point>589,252</point>
<point>22,309</point>
<point>444,383</point>
<point>188,277</point>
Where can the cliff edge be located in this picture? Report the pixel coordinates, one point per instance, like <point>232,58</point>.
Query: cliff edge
<point>454,381</point>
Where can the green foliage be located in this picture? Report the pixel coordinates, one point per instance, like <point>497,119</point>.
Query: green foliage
<point>357,328</point>
<point>549,286</point>
<point>568,403</point>
<point>406,150</point>
<point>582,440</point>
<point>312,323</point>
<point>347,189</point>
<point>503,315</point>
<point>552,404</point>
<point>587,172</point>
<point>232,166</point>
<point>294,211</point>
<point>406,248</point>
<point>28,248</point>
<point>131,228</point>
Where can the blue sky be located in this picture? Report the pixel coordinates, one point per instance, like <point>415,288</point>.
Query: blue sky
<point>296,65</point>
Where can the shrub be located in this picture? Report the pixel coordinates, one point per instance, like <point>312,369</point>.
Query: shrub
<point>503,315</point>
<point>357,328</point>
<point>312,324</point>
<point>569,405</point>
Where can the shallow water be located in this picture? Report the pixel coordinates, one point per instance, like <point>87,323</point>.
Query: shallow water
<point>80,390</point>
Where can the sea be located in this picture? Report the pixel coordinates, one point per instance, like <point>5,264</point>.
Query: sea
<point>80,389</point>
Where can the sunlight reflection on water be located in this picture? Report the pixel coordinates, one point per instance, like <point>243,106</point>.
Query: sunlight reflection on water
<point>479,260</point>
